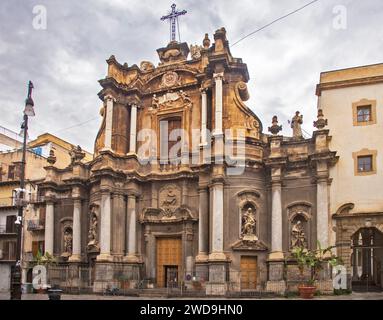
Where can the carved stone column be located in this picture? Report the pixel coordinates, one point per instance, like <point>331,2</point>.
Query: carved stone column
<point>218,77</point>
<point>133,128</point>
<point>276,222</point>
<point>105,239</point>
<point>49,227</point>
<point>108,122</point>
<point>76,248</point>
<point>132,229</point>
<point>217,223</point>
<point>203,225</point>
<point>203,117</point>
<point>322,212</point>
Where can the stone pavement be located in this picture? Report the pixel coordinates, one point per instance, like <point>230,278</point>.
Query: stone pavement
<point>353,296</point>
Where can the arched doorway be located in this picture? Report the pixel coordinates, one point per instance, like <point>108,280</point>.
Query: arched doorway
<point>367,259</point>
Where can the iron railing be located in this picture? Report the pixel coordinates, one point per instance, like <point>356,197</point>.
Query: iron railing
<point>35,225</point>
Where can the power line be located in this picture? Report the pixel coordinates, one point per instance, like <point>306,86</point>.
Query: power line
<point>76,125</point>
<point>274,21</point>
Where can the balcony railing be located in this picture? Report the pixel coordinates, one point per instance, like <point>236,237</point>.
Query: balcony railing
<point>35,225</point>
<point>4,229</point>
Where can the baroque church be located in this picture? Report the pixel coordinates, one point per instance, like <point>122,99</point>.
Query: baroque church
<point>185,185</point>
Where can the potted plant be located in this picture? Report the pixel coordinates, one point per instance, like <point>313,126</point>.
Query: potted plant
<point>125,282</point>
<point>314,260</point>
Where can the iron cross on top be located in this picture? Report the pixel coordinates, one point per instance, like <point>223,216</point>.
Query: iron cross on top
<point>173,16</point>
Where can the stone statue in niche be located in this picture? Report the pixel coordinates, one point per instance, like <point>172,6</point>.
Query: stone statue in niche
<point>298,236</point>
<point>92,234</point>
<point>68,242</point>
<point>296,123</point>
<point>249,224</point>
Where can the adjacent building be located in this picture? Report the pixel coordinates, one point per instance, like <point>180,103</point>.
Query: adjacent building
<point>34,219</point>
<point>352,100</point>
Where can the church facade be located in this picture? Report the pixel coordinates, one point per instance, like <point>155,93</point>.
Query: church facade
<point>185,186</point>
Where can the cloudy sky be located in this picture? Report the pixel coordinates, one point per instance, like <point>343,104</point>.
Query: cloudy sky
<point>65,60</point>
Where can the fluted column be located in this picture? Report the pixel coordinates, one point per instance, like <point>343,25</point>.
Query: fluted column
<point>276,221</point>
<point>49,227</point>
<point>203,225</point>
<point>218,77</point>
<point>132,229</point>
<point>108,122</point>
<point>322,212</point>
<point>105,239</point>
<point>76,247</point>
<point>133,128</point>
<point>203,117</point>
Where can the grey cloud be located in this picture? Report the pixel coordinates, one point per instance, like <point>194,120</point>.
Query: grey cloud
<point>66,60</point>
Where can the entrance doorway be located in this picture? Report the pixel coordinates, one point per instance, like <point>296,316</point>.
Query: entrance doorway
<point>171,276</point>
<point>248,272</point>
<point>367,259</point>
<point>169,261</point>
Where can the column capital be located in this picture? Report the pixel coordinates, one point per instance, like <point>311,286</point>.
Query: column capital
<point>203,90</point>
<point>109,97</point>
<point>218,76</point>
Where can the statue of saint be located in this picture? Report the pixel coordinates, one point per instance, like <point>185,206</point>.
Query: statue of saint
<point>92,234</point>
<point>298,237</point>
<point>296,123</point>
<point>248,222</point>
<point>68,241</point>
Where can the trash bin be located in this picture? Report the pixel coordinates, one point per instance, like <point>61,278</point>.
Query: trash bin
<point>54,294</point>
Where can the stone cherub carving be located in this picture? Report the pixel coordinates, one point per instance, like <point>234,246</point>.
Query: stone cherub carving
<point>171,198</point>
<point>195,51</point>
<point>155,102</point>
<point>248,223</point>
<point>296,123</point>
<point>298,237</point>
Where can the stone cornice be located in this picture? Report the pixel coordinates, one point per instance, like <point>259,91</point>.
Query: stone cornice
<point>347,83</point>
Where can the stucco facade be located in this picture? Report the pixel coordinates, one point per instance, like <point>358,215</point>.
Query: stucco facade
<point>355,195</point>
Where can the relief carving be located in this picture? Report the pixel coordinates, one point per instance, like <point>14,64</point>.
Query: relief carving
<point>146,66</point>
<point>169,200</point>
<point>171,100</point>
<point>195,51</point>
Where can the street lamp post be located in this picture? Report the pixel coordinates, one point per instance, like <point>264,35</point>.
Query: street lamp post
<point>16,269</point>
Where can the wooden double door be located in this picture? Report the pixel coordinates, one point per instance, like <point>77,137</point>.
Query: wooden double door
<point>169,261</point>
<point>248,272</point>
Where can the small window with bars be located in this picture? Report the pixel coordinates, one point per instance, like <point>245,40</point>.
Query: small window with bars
<point>364,113</point>
<point>365,163</point>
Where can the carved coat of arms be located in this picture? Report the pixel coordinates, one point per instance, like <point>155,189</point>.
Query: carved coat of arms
<point>170,79</point>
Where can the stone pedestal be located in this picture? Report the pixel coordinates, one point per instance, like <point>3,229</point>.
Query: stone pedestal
<point>104,277</point>
<point>217,284</point>
<point>276,282</point>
